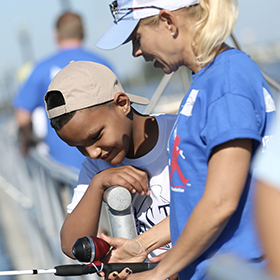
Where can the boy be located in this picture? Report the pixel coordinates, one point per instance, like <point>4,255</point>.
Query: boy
<point>89,109</point>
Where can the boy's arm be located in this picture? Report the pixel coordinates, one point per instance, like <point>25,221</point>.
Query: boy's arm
<point>84,219</point>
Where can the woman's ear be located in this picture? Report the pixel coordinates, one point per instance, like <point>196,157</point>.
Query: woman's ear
<point>169,20</point>
<point>123,102</point>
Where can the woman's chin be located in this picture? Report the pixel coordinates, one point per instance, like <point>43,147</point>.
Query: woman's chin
<point>158,64</point>
<point>164,68</point>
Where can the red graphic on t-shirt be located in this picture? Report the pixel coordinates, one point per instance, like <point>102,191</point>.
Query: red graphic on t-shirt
<point>174,163</point>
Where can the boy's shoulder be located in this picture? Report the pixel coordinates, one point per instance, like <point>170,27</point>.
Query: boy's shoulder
<point>165,117</point>
<point>165,120</point>
<point>165,123</point>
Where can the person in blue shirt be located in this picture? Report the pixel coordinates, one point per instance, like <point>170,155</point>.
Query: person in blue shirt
<point>267,199</point>
<point>222,120</point>
<point>69,35</point>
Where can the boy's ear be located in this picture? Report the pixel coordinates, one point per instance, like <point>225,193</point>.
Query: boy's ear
<point>123,101</point>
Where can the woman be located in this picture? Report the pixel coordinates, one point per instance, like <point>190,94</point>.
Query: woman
<point>221,121</point>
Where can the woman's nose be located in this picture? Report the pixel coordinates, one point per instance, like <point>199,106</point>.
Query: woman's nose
<point>136,50</point>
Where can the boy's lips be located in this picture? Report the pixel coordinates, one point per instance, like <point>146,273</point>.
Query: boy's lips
<point>105,157</point>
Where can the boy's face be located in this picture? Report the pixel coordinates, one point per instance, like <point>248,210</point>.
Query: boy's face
<point>102,132</point>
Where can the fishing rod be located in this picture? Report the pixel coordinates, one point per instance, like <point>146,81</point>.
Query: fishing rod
<point>90,250</point>
<point>82,269</point>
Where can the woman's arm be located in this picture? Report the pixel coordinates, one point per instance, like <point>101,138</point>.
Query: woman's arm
<point>137,249</point>
<point>84,219</point>
<point>227,172</point>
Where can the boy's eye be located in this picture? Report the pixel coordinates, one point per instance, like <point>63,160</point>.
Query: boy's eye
<point>97,136</point>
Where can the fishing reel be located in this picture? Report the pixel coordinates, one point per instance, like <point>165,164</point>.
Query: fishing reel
<point>89,249</point>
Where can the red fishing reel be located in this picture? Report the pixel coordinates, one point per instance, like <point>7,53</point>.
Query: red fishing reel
<point>89,249</point>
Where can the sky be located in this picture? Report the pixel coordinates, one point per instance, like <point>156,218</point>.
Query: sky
<point>258,24</point>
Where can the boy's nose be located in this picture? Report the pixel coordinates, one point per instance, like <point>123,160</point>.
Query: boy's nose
<point>94,152</point>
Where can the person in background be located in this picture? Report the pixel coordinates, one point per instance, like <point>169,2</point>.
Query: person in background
<point>69,36</point>
<point>220,124</point>
<point>89,109</point>
<point>267,167</point>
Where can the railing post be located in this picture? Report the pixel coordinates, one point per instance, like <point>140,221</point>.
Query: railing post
<point>120,211</point>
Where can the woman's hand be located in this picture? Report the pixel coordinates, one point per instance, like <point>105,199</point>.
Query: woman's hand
<point>117,276</point>
<point>129,177</point>
<point>126,274</point>
<point>125,250</point>
<point>157,258</point>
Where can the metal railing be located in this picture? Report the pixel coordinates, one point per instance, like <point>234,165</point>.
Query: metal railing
<point>38,190</point>
<point>34,193</point>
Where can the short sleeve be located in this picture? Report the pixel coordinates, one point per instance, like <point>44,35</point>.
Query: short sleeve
<point>79,192</point>
<point>230,117</point>
<point>31,94</point>
<point>87,172</point>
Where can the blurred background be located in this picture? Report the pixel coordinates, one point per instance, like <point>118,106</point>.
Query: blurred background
<point>27,30</point>
<point>33,190</point>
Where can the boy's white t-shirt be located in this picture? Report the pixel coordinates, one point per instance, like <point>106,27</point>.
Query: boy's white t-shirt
<point>148,210</point>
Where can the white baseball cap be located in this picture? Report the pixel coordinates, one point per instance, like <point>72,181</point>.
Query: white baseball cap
<point>127,14</point>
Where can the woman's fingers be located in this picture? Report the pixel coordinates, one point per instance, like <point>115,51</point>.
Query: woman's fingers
<point>157,258</point>
<point>125,250</point>
<point>113,241</point>
<point>120,276</point>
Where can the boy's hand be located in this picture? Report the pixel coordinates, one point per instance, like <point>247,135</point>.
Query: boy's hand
<point>129,177</point>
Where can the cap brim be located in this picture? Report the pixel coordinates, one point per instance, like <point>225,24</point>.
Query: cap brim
<point>138,99</point>
<point>117,34</point>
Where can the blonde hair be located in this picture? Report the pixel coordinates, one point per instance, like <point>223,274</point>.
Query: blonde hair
<point>216,23</point>
<point>215,20</point>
